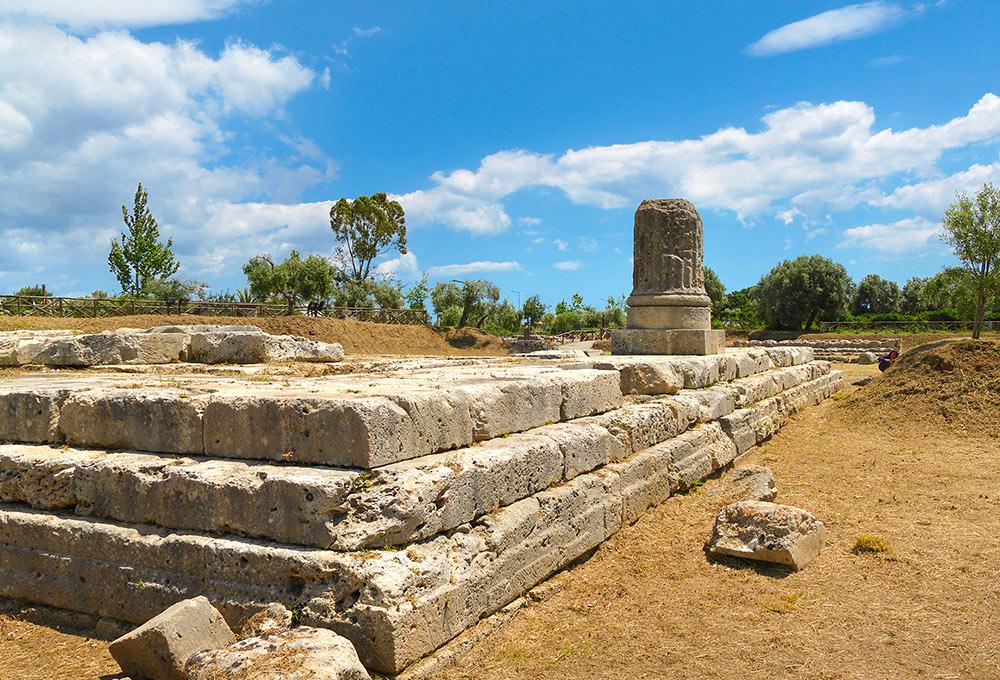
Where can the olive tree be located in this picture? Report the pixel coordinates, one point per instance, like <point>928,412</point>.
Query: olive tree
<point>876,295</point>
<point>715,289</point>
<point>367,227</point>
<point>798,292</point>
<point>293,280</point>
<point>972,229</point>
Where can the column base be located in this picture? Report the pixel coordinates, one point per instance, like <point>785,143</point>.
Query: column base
<point>674,341</point>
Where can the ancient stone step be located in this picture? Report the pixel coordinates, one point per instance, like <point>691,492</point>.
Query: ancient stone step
<point>394,605</point>
<point>342,421</point>
<point>349,510</point>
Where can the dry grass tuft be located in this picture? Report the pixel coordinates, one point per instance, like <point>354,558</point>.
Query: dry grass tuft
<point>871,543</point>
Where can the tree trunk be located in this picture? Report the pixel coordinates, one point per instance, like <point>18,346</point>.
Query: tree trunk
<point>809,321</point>
<point>466,310</point>
<point>977,325</point>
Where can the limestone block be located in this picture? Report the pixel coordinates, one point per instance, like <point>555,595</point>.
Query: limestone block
<point>755,483</point>
<point>162,646</point>
<point>584,446</point>
<point>18,348</point>
<point>512,405</point>
<point>137,420</point>
<point>588,392</point>
<point>767,532</point>
<point>867,358</point>
<point>362,432</point>
<point>31,415</point>
<point>660,341</point>
<point>229,347</point>
<point>159,348</point>
<point>87,350</point>
<point>293,348</point>
<point>639,426</point>
<point>749,362</point>
<point>301,653</point>
<point>714,402</point>
<point>190,329</point>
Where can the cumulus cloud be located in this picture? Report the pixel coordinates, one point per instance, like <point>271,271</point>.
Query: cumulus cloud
<point>127,13</point>
<point>845,23</point>
<point>809,156</point>
<point>479,267</point>
<point>404,267</point>
<point>930,198</point>
<point>80,126</point>
<point>568,265</point>
<point>907,236</point>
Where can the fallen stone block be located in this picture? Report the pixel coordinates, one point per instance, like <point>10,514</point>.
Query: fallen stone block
<point>161,647</point>
<point>294,348</point>
<point>298,654</point>
<point>767,532</point>
<point>867,358</point>
<point>229,347</point>
<point>755,483</point>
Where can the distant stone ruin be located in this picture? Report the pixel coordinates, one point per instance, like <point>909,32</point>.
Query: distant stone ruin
<point>201,344</point>
<point>669,311</point>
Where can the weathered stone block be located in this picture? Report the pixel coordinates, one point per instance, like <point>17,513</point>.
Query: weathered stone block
<point>667,341</point>
<point>767,532</point>
<point>229,347</point>
<point>161,647</point>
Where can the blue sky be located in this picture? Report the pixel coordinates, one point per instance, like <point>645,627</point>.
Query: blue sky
<point>519,136</point>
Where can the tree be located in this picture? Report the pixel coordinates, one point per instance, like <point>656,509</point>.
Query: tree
<point>476,300</point>
<point>912,300</point>
<point>532,311</point>
<point>367,227</point>
<point>34,291</point>
<point>416,297</point>
<point>293,280</point>
<point>797,292</point>
<point>955,288</point>
<point>716,291</point>
<point>175,289</point>
<point>972,229</point>
<point>139,257</point>
<point>876,295</point>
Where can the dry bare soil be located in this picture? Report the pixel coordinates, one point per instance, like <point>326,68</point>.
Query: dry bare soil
<point>357,337</point>
<point>900,459</point>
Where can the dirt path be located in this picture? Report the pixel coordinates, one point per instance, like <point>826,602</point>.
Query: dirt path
<point>649,605</point>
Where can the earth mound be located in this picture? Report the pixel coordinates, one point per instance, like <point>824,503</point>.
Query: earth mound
<point>956,382</point>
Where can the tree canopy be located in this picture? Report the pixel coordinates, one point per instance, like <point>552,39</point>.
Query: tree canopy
<point>475,301</point>
<point>972,229</point>
<point>532,311</point>
<point>713,286</point>
<point>367,227</point>
<point>876,295</point>
<point>797,292</point>
<point>139,257</point>
<point>293,280</point>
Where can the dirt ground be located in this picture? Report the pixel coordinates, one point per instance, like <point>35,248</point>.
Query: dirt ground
<point>357,337</point>
<point>648,604</point>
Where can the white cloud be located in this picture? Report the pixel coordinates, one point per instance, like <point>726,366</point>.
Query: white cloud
<point>366,32</point>
<point>530,221</point>
<point>809,156</point>
<point>568,265</point>
<point>560,244</point>
<point>403,267</point>
<point>907,236</point>
<point>480,267</point>
<point>89,14</point>
<point>931,197</point>
<point>586,244</point>
<point>845,23</point>
<point>890,60</point>
<point>79,128</point>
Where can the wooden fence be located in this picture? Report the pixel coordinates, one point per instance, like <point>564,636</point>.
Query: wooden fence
<point>68,307</point>
<point>831,326</point>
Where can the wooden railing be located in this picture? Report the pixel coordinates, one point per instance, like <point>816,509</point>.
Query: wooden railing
<point>69,307</point>
<point>582,335</point>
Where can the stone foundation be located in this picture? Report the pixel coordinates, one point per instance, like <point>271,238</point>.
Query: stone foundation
<point>678,341</point>
<point>397,506</point>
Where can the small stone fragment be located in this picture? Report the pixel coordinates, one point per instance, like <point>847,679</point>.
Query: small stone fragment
<point>867,358</point>
<point>861,382</point>
<point>767,532</point>
<point>756,483</point>
<point>296,654</point>
<point>271,620</point>
<point>161,647</point>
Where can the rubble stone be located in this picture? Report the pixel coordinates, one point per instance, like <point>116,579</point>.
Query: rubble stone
<point>767,532</point>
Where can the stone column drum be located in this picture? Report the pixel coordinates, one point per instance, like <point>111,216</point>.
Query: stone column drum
<point>669,311</point>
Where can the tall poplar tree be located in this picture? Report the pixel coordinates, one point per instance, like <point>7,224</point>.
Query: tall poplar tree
<point>139,257</point>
